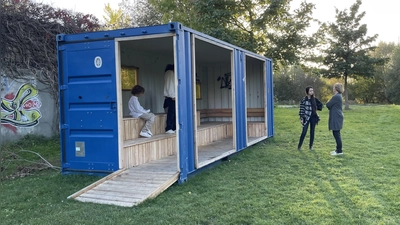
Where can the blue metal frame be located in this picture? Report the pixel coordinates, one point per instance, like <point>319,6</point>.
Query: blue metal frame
<point>240,100</point>
<point>185,120</point>
<point>270,97</point>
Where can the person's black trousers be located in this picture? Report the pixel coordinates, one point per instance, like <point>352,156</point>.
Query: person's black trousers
<point>312,122</point>
<point>338,139</point>
<point>171,117</point>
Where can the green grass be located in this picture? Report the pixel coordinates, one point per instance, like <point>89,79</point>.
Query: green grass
<point>268,183</point>
<point>30,154</point>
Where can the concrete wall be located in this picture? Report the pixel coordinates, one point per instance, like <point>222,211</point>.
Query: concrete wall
<point>25,109</point>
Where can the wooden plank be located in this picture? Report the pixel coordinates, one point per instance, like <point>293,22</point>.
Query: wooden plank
<point>106,202</point>
<point>95,184</point>
<point>125,185</point>
<point>150,150</point>
<point>153,179</point>
<point>168,183</point>
<point>132,184</point>
<point>147,173</point>
<point>134,196</point>
<point>255,129</point>
<point>134,180</point>
<point>118,198</point>
<point>227,112</point>
<point>119,189</point>
<point>145,140</point>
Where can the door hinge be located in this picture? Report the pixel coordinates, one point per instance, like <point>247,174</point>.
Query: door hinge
<point>64,126</point>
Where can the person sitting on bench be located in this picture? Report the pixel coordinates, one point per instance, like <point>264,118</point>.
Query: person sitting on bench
<point>137,111</point>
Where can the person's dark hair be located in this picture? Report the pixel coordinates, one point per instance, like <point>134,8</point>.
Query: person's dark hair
<point>169,67</point>
<point>313,103</point>
<point>137,89</point>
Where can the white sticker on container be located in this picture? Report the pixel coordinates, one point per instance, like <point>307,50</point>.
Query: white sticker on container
<point>98,62</point>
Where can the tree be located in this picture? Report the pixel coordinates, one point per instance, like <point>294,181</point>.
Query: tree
<point>115,18</point>
<point>290,84</point>
<point>348,52</point>
<point>375,87</point>
<point>140,12</point>
<point>27,40</point>
<point>267,27</point>
<point>392,78</point>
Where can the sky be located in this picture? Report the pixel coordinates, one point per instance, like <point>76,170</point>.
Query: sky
<point>381,16</point>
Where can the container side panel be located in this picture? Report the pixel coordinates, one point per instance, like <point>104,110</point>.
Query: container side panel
<point>184,98</point>
<point>270,98</point>
<point>240,104</point>
<point>188,103</point>
<point>89,123</point>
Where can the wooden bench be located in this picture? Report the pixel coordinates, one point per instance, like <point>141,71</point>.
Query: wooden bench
<point>254,128</point>
<point>212,131</point>
<point>133,126</point>
<point>227,112</point>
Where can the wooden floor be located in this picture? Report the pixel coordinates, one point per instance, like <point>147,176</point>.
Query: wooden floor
<point>215,151</point>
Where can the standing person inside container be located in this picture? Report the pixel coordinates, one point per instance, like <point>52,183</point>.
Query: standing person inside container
<point>169,102</point>
<point>336,117</point>
<point>137,111</point>
<point>309,116</point>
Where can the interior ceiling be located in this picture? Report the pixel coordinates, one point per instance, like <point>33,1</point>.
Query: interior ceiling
<point>205,52</point>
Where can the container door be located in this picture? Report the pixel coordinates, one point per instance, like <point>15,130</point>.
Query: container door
<point>88,110</point>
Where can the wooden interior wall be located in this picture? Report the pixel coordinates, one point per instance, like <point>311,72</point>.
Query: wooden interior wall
<point>255,129</point>
<point>213,96</point>
<point>213,132</point>
<point>255,89</point>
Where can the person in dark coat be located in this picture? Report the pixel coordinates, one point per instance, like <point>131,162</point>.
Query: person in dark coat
<point>309,116</point>
<point>336,117</point>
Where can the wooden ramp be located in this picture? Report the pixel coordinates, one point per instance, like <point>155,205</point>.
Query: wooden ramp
<point>132,186</point>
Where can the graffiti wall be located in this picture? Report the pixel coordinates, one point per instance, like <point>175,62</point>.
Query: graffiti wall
<point>25,109</point>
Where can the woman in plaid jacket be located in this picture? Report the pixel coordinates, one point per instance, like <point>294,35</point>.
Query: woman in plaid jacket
<point>309,116</point>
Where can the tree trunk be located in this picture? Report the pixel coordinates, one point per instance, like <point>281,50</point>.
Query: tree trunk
<point>346,94</point>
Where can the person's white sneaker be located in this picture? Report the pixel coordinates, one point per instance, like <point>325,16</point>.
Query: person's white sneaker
<point>150,132</point>
<point>170,132</point>
<point>335,153</point>
<point>145,134</point>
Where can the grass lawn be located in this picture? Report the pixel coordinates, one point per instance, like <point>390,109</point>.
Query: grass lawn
<point>268,183</point>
